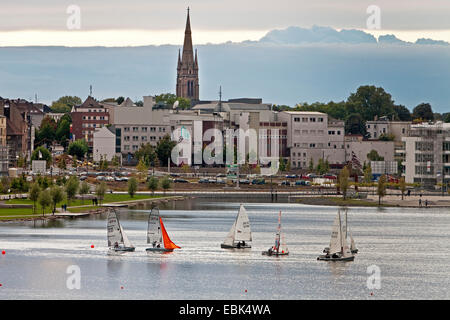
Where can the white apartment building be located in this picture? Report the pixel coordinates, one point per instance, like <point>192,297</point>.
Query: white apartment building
<point>427,154</point>
<point>310,135</point>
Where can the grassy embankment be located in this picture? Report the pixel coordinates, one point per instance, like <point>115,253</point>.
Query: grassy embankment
<point>76,205</point>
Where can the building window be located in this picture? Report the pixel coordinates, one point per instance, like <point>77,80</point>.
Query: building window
<point>296,119</point>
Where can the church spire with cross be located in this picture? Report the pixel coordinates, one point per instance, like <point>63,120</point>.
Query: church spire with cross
<point>187,67</point>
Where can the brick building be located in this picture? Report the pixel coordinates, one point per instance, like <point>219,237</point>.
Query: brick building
<point>87,117</point>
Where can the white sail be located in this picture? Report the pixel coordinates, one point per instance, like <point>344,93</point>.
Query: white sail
<point>126,241</point>
<point>229,240</point>
<point>336,242</point>
<point>352,243</point>
<point>114,230</point>
<point>154,235</point>
<point>242,230</point>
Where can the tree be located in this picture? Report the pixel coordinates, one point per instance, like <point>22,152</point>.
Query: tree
<point>62,134</point>
<point>423,111</point>
<point>65,104</point>
<point>78,148</point>
<point>446,117</point>
<point>142,170</point>
<point>34,194</point>
<point>153,184</point>
<point>72,186</point>
<point>84,189</point>
<point>46,132</point>
<point>41,153</point>
<point>343,181</point>
<point>165,184</point>
<point>164,149</point>
<point>368,174</point>
<point>45,200</point>
<point>381,188</point>
<point>147,153</point>
<point>169,99</point>
<point>403,114</point>
<point>371,101</point>
<point>311,164</point>
<point>402,186</point>
<point>374,156</point>
<point>5,184</point>
<point>120,100</point>
<point>100,191</point>
<point>57,195</point>
<point>132,186</point>
<point>282,164</point>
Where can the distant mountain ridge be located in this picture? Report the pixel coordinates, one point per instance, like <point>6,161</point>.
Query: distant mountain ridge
<point>320,34</point>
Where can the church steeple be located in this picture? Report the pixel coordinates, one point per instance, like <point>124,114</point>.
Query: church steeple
<point>187,68</point>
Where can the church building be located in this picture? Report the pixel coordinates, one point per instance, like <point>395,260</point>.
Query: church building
<point>187,69</point>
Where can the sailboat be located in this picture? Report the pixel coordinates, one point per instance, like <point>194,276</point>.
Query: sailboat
<point>338,250</point>
<point>157,234</point>
<point>117,239</point>
<point>347,234</point>
<point>280,248</point>
<point>240,234</point>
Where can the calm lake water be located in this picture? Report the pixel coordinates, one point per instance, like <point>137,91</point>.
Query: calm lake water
<point>410,247</point>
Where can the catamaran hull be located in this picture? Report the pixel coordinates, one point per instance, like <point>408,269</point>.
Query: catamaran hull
<point>226,246</point>
<point>325,258</point>
<point>127,249</point>
<point>267,253</point>
<point>158,250</point>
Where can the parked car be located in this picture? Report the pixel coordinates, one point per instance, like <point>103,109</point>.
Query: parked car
<point>221,175</point>
<point>82,178</point>
<point>221,181</point>
<point>330,176</point>
<point>180,181</point>
<point>291,176</point>
<point>285,183</point>
<point>203,181</point>
<point>244,181</point>
<point>258,181</point>
<point>302,183</point>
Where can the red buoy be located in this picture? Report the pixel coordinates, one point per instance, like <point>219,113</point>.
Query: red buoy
<point>3,252</point>
<point>92,246</point>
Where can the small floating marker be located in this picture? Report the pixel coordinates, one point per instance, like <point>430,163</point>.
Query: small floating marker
<point>0,284</point>
<point>92,246</point>
<point>371,293</point>
<point>3,252</point>
<point>121,287</point>
<point>245,290</point>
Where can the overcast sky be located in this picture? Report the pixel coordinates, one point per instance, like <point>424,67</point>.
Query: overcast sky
<point>25,22</point>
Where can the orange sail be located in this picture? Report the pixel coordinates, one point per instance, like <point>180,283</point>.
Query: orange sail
<point>168,244</point>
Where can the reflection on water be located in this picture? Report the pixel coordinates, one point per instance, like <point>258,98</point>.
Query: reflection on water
<point>410,246</point>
